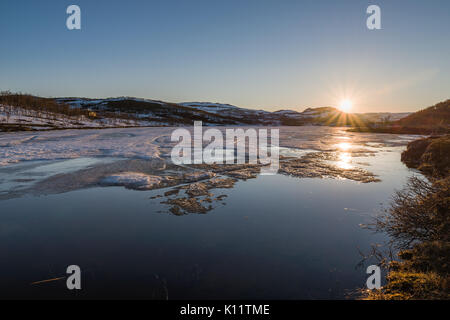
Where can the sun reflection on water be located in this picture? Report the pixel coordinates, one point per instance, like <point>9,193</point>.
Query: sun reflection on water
<point>344,157</point>
<point>345,160</point>
<point>344,146</point>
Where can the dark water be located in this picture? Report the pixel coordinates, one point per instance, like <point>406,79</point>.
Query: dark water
<point>276,237</point>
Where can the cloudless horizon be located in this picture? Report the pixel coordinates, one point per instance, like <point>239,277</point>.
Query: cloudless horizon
<point>256,54</point>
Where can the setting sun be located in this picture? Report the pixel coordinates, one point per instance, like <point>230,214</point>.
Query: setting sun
<point>345,106</point>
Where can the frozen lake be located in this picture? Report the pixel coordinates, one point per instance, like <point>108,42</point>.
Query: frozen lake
<point>268,237</point>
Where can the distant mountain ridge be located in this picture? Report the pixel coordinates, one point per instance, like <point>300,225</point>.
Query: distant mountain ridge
<point>30,112</point>
<point>215,113</point>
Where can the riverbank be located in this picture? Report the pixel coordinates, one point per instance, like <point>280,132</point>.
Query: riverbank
<point>418,222</point>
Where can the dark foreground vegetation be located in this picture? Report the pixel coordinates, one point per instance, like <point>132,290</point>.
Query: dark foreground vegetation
<point>418,223</point>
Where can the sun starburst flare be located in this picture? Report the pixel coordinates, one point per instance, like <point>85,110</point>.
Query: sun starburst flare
<point>346,106</point>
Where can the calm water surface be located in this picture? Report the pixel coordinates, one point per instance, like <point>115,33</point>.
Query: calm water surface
<point>276,237</point>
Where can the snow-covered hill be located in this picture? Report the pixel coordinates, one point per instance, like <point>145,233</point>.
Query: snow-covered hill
<point>209,106</point>
<point>35,113</point>
<point>20,118</point>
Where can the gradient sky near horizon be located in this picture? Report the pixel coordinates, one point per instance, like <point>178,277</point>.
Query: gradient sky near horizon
<point>265,54</point>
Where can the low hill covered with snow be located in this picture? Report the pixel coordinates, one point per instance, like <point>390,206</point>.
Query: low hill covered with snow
<point>26,112</point>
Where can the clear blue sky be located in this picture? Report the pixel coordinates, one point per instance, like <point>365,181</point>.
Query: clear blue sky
<point>252,53</point>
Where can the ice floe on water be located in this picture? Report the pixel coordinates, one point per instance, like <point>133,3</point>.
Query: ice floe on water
<point>134,180</point>
<point>139,158</point>
<point>146,143</point>
<point>22,175</point>
<point>70,144</point>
